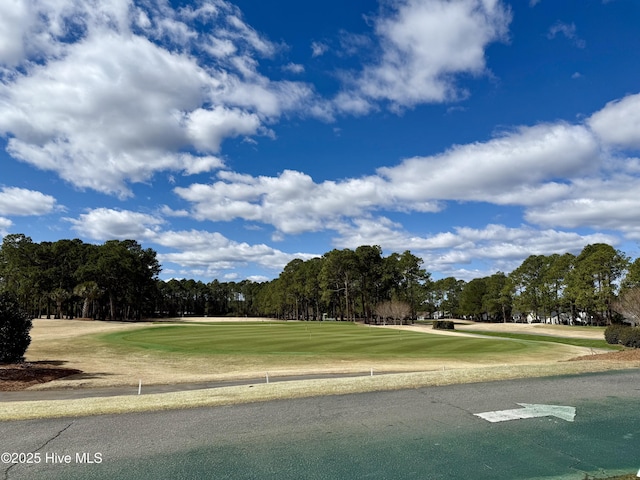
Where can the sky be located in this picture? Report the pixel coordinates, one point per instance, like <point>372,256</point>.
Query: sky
<point>232,138</point>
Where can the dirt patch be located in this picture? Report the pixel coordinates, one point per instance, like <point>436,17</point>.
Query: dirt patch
<point>14,377</point>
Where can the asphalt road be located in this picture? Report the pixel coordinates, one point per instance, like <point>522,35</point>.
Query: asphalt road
<point>427,433</point>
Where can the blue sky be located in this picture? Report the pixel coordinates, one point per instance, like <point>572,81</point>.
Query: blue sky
<point>234,137</point>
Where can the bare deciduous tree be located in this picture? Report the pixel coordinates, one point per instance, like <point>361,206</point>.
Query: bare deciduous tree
<point>394,309</point>
<point>628,305</point>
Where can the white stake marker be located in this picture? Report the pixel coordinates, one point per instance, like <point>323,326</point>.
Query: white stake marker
<point>530,411</point>
<point>267,377</point>
<point>139,386</point>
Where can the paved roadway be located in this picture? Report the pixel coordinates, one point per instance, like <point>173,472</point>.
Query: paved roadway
<point>427,433</point>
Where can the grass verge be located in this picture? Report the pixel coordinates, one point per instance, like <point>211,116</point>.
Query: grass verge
<point>287,390</point>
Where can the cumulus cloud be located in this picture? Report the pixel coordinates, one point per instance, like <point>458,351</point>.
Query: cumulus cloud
<point>109,93</point>
<point>214,252</point>
<point>603,204</point>
<point>493,241</point>
<point>618,123</point>
<point>607,198</point>
<point>517,168</point>
<point>496,246</point>
<point>21,201</point>
<point>564,175</point>
<point>522,167</point>
<point>193,249</point>
<point>5,225</point>
<point>292,201</point>
<point>14,20</point>
<point>424,45</point>
<point>108,224</point>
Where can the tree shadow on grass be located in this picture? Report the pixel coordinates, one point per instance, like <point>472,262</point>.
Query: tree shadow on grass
<point>19,376</point>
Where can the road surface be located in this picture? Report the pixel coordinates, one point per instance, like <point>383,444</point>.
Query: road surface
<point>426,433</point>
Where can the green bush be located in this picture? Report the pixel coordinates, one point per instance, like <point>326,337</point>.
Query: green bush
<point>443,324</point>
<point>630,337</point>
<point>14,331</point>
<point>613,332</point>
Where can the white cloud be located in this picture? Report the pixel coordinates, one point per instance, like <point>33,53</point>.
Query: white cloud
<point>497,247</point>
<point>15,20</point>
<point>491,242</point>
<point>603,204</point>
<point>40,29</point>
<point>425,44</point>
<point>213,251</point>
<point>108,224</point>
<point>113,106</point>
<point>318,49</point>
<point>568,30</point>
<point>21,201</point>
<point>292,202</point>
<point>5,225</point>
<point>524,167</point>
<point>560,172</point>
<point>518,168</point>
<point>208,127</point>
<point>294,68</point>
<point>618,123</point>
<point>196,249</point>
<point>563,175</point>
<point>170,212</point>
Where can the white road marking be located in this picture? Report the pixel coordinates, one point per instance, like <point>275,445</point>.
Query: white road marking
<point>530,410</point>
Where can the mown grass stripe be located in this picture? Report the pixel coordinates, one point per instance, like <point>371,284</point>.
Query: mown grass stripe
<point>310,339</point>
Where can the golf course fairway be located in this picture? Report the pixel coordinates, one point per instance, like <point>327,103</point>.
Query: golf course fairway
<point>344,340</point>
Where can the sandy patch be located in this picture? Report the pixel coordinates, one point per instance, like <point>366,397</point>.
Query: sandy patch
<point>595,333</point>
<point>430,329</point>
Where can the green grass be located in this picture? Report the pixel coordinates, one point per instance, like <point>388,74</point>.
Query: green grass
<point>307,338</point>
<point>578,342</point>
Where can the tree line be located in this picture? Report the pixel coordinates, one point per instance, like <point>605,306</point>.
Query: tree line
<point>70,278</point>
<point>597,287</point>
<point>118,280</point>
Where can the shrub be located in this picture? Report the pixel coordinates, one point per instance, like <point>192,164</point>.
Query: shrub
<point>630,337</point>
<point>14,331</point>
<point>443,324</point>
<point>613,332</point>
